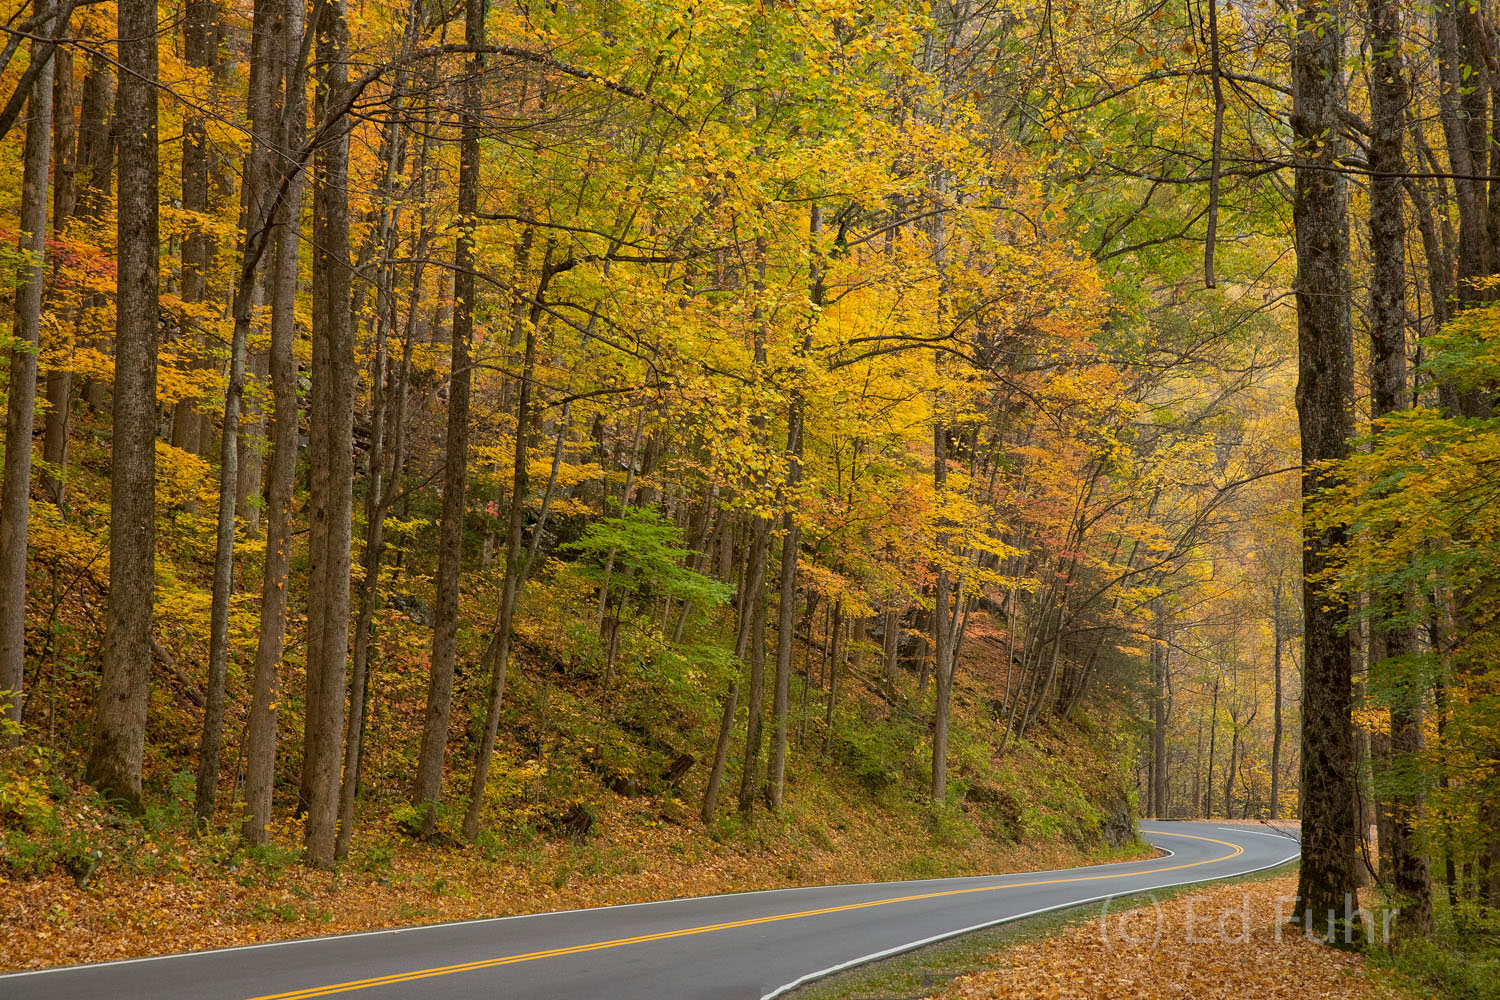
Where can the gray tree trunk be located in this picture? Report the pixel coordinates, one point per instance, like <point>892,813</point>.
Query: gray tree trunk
<point>1276,734</point>
<point>388,410</point>
<point>119,729</point>
<point>516,566</point>
<point>428,786</point>
<point>277,27</point>
<point>1411,871</point>
<point>334,377</point>
<point>200,49</point>
<point>1324,333</point>
<point>1159,715</point>
<point>58,384</point>
<point>20,413</point>
<point>256,222</point>
<point>95,170</point>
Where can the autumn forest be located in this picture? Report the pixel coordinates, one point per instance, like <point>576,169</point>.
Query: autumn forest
<point>808,441</point>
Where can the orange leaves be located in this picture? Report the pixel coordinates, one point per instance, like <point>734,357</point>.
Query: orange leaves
<point>1219,942</point>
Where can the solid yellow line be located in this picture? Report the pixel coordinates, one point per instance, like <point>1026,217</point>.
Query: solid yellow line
<point>531,956</point>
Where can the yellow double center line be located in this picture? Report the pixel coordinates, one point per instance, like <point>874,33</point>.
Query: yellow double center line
<point>532,956</point>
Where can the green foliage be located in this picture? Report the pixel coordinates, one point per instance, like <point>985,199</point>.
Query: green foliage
<point>881,756</point>
<point>647,553</point>
<point>1461,961</point>
<point>1418,500</point>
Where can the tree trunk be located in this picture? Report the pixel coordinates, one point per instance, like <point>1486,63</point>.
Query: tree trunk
<point>745,607</point>
<point>891,642</point>
<point>256,224</point>
<point>756,702</point>
<point>252,433</point>
<point>721,752</point>
<point>15,494</point>
<point>1276,725</point>
<point>388,416</point>
<point>1213,734</point>
<point>95,167</point>
<point>1320,217</point>
<point>1159,717</point>
<point>334,377</point>
<point>119,730</point>
<point>200,50</point>
<point>1410,870</point>
<point>786,615</point>
<point>835,660</point>
<point>516,566</point>
<point>944,630</point>
<point>428,786</point>
<point>58,384</point>
<point>278,35</point>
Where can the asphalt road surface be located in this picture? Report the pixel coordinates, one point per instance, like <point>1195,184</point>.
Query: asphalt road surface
<point>744,946</point>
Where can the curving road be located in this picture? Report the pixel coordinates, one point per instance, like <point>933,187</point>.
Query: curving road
<point>745,946</point>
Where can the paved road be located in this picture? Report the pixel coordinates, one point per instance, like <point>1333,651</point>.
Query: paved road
<point>746,946</point>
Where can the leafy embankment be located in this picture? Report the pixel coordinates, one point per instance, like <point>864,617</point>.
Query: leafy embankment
<point>1215,941</point>
<point>594,812</point>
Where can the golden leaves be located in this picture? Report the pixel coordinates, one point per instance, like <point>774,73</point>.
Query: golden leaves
<point>1216,942</point>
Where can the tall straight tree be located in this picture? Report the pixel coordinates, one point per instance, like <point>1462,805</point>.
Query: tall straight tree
<point>257,217</point>
<point>429,779</point>
<point>332,493</point>
<point>119,730</point>
<point>1324,391</point>
<point>200,47</point>
<point>20,413</point>
<point>278,26</point>
<point>94,173</point>
<point>790,545</point>
<point>1411,876</point>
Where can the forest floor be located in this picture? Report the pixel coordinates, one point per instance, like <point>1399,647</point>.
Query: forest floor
<point>179,893</point>
<point>854,812</point>
<point>1207,942</point>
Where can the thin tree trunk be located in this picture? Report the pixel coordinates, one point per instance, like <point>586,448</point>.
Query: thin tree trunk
<point>892,647</point>
<point>721,751</point>
<point>1276,640</point>
<point>256,225</point>
<point>389,410</point>
<point>756,703</point>
<point>279,29</point>
<point>941,608</point>
<point>119,730</point>
<point>744,607</point>
<point>15,494</point>
<point>1159,717</point>
<point>58,383</point>
<point>428,786</point>
<point>786,617</point>
<point>1213,733</point>
<point>1411,878</point>
<point>201,51</point>
<point>835,659</point>
<point>95,164</point>
<point>787,600</point>
<point>515,568</point>
<point>252,431</point>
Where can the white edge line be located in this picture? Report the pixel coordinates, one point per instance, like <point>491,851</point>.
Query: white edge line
<point>20,973</point>
<point>911,946</point>
<point>1261,833</point>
